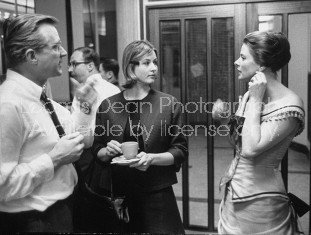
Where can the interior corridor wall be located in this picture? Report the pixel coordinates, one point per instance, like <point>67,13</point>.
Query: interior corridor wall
<point>300,63</point>
<point>128,27</point>
<point>57,8</point>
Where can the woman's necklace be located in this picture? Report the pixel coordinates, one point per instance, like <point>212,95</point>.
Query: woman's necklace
<point>138,129</point>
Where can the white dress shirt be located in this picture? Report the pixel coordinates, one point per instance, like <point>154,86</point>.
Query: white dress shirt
<point>28,180</point>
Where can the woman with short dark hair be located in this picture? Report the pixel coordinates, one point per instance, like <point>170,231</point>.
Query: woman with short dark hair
<point>269,116</point>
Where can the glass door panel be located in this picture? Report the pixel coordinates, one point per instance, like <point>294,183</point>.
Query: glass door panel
<point>222,51</point>
<point>196,80</point>
<point>170,73</point>
<point>222,59</point>
<point>170,57</point>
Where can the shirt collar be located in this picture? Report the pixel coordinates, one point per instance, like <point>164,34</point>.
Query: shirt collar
<point>26,84</point>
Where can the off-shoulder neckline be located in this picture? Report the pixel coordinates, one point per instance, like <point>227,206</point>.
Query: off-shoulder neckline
<point>286,102</point>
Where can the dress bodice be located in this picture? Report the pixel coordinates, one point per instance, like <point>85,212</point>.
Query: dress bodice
<point>260,175</point>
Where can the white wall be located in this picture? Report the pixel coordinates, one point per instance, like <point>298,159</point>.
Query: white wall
<point>57,8</point>
<point>300,63</point>
<point>128,25</point>
<point>77,23</point>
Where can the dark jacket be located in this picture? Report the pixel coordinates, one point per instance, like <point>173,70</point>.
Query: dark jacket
<point>161,119</point>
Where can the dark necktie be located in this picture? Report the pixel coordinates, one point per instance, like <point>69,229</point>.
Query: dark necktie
<point>49,106</point>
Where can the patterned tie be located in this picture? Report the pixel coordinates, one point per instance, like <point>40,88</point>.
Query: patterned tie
<point>49,107</point>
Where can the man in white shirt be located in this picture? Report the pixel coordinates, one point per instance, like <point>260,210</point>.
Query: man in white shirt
<point>84,67</point>
<point>37,176</point>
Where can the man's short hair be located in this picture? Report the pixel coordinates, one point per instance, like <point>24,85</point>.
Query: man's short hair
<point>20,33</point>
<point>89,54</point>
<point>110,64</point>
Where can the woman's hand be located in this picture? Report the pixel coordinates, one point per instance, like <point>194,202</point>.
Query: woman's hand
<point>113,149</point>
<point>242,104</point>
<point>257,86</point>
<point>144,162</point>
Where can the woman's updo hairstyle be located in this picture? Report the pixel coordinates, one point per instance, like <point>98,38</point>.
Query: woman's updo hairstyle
<point>269,49</point>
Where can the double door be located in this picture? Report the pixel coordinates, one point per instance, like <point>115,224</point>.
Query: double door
<point>198,45</point>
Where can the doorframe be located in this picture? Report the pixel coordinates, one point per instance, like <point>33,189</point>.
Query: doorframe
<point>158,4</point>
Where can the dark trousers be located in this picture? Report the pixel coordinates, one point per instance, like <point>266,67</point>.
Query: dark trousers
<point>56,218</point>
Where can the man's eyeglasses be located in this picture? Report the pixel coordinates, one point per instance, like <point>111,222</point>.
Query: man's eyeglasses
<point>54,46</point>
<point>75,63</point>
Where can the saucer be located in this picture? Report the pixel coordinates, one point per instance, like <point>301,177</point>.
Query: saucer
<point>121,160</point>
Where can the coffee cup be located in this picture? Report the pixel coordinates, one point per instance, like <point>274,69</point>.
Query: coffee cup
<point>129,149</point>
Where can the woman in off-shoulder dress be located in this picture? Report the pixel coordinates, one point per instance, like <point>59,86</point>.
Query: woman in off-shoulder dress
<point>269,116</point>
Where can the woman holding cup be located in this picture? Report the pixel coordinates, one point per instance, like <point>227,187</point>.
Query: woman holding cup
<point>152,119</point>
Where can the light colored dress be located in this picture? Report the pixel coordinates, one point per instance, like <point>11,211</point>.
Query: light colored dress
<point>255,199</point>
